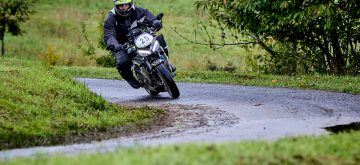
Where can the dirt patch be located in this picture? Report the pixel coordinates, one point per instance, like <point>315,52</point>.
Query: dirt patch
<point>175,120</point>
<point>185,118</point>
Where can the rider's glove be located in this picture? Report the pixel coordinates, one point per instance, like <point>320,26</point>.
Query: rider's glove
<point>118,48</point>
<point>131,52</point>
<point>115,48</point>
<point>156,24</point>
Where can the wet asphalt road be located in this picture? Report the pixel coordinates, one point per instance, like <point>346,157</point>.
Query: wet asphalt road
<point>256,113</point>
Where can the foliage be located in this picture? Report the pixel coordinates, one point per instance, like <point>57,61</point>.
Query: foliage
<point>308,36</point>
<point>51,55</point>
<point>12,13</point>
<point>107,60</point>
<point>229,67</point>
<point>101,41</point>
<point>89,49</point>
<point>211,66</point>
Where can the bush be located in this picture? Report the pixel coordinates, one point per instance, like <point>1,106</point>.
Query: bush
<point>106,61</point>
<point>311,36</point>
<point>51,56</point>
<point>229,67</point>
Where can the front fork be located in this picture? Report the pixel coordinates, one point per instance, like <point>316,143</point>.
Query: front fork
<point>146,69</point>
<point>164,59</point>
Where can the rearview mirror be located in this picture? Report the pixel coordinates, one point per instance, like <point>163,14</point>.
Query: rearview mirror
<point>159,16</point>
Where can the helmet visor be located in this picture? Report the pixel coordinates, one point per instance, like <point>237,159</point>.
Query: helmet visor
<point>121,2</point>
<point>123,7</point>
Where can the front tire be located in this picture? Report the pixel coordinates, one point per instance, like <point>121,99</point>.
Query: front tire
<point>152,93</point>
<point>168,80</point>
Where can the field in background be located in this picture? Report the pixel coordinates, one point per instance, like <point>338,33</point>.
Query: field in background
<point>59,24</point>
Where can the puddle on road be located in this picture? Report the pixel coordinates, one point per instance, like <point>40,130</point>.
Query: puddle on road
<point>355,126</point>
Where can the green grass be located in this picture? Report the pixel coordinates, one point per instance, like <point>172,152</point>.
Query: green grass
<point>88,72</point>
<point>41,106</point>
<point>347,84</point>
<point>334,149</point>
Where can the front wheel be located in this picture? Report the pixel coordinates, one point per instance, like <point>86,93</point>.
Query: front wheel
<point>152,93</point>
<point>169,82</point>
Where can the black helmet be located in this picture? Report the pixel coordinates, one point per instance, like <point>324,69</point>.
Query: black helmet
<point>124,13</point>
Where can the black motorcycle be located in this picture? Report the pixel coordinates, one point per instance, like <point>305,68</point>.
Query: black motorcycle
<point>150,62</point>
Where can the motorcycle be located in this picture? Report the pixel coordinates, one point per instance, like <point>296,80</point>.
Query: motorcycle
<point>150,63</point>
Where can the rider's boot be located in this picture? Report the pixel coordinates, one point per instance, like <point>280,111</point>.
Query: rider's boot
<point>129,77</point>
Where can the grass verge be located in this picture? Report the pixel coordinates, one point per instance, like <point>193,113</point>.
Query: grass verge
<point>41,106</point>
<point>334,149</point>
<point>347,84</point>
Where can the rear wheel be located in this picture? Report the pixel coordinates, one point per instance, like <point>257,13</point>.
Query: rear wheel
<point>168,80</point>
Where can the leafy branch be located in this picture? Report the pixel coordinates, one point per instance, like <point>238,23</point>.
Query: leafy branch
<point>210,42</point>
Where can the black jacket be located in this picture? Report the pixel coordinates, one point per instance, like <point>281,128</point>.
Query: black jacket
<point>116,27</point>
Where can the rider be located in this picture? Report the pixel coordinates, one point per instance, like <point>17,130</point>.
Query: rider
<point>116,28</point>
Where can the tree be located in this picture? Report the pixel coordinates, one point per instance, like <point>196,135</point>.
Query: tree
<point>12,13</point>
<point>311,35</point>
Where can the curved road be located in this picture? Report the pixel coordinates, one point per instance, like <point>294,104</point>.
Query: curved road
<point>229,113</point>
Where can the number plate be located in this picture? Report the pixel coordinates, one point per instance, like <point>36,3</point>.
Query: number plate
<point>143,40</point>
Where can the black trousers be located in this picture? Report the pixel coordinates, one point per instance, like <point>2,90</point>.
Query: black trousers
<point>123,65</point>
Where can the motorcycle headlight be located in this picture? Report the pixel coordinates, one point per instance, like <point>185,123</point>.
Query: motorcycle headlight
<point>144,53</point>
<point>155,46</point>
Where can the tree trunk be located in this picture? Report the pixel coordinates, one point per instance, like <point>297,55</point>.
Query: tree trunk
<point>324,49</point>
<point>339,57</point>
<point>2,48</point>
<point>2,35</point>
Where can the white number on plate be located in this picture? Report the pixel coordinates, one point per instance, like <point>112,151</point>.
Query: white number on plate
<point>143,40</point>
